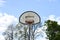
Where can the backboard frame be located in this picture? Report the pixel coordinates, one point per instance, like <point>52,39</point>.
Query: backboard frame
<point>27,12</point>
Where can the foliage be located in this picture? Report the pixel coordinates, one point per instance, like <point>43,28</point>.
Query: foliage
<point>22,32</point>
<point>9,33</point>
<point>53,30</point>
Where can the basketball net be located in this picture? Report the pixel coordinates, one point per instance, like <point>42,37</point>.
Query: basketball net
<point>29,22</point>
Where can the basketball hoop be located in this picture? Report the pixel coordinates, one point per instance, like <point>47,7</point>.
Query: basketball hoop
<point>29,21</point>
<point>29,18</point>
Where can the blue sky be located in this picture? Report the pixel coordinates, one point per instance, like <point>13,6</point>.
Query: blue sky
<point>47,9</point>
<point>42,7</point>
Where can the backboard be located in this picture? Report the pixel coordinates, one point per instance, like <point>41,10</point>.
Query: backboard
<point>29,17</point>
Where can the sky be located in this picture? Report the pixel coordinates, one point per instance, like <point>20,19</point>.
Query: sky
<point>10,10</point>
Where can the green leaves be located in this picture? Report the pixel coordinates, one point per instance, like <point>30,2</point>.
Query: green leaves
<point>53,30</point>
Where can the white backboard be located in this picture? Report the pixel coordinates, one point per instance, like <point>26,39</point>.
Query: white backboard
<point>29,15</point>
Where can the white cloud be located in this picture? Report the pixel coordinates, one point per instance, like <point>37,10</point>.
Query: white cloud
<point>5,21</point>
<point>1,37</point>
<point>42,33</point>
<point>51,17</point>
<point>2,3</point>
<point>58,20</point>
<point>40,38</point>
<point>54,18</point>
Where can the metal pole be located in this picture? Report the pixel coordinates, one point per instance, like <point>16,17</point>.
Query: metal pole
<point>29,32</point>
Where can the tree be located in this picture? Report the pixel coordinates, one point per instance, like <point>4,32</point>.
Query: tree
<point>22,31</point>
<point>9,33</point>
<point>53,30</point>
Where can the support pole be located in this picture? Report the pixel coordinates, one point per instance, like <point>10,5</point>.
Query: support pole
<point>29,32</point>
